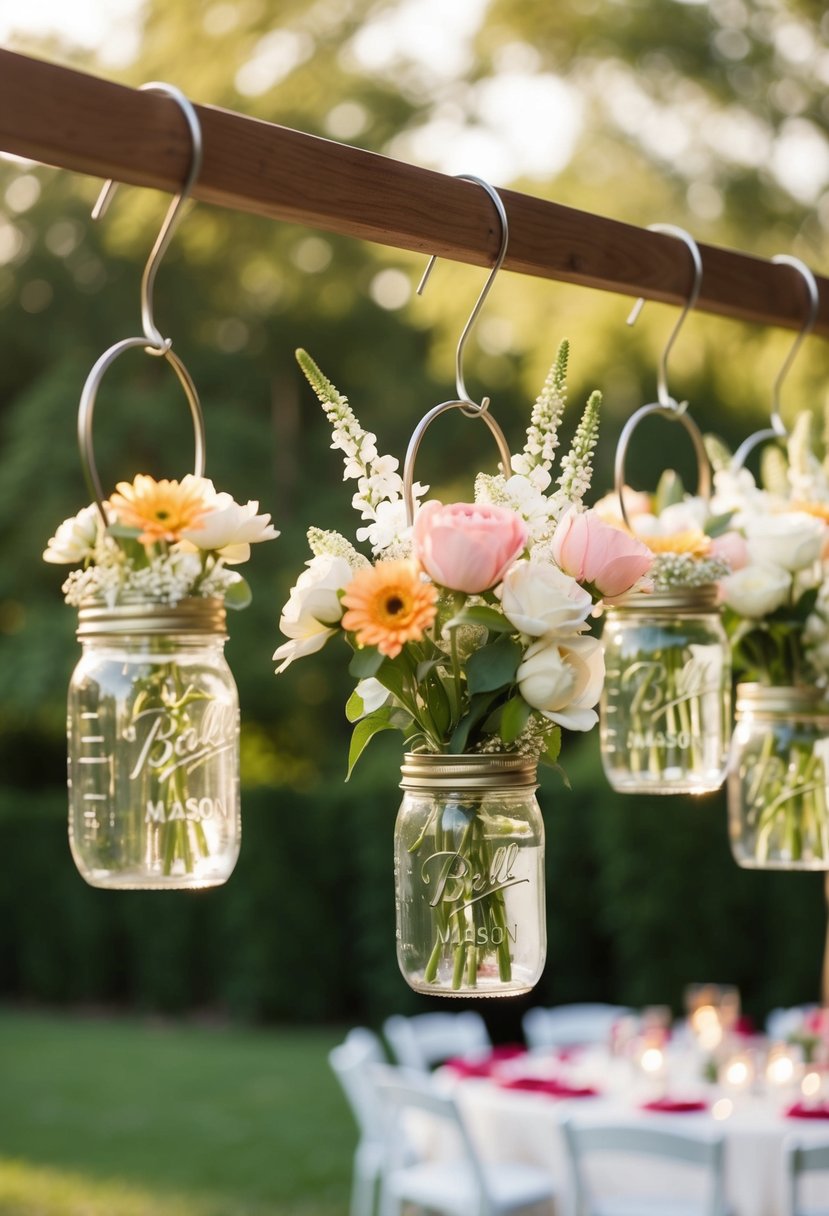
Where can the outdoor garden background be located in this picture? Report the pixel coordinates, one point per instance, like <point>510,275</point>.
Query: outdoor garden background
<point>165,1053</point>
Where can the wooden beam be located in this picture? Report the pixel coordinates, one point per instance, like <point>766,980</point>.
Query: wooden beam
<point>79,122</point>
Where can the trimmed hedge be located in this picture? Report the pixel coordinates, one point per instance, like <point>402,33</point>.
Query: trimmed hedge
<point>643,898</point>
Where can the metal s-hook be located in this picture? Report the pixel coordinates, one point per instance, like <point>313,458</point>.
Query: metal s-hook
<point>778,430</point>
<point>664,397</point>
<point>783,259</point>
<point>157,343</point>
<point>460,385</point>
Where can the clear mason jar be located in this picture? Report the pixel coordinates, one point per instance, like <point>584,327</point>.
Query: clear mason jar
<point>666,700</point>
<point>778,780</point>
<point>469,875</point>
<point>153,743</point>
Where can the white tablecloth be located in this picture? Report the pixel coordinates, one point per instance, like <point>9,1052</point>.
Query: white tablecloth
<point>513,1124</point>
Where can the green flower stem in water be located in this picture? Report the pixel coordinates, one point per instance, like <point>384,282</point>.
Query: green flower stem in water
<point>478,913</point>
<point>786,802</point>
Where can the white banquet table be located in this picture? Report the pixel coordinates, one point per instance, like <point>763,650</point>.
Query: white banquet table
<point>518,1124</point>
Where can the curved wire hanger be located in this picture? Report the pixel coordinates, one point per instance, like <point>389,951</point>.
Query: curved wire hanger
<point>157,343</point>
<point>664,397</point>
<point>460,384</point>
<point>778,429</point>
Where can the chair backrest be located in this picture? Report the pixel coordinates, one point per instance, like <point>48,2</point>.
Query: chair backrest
<point>427,1039</point>
<point>802,1159</point>
<point>404,1092</point>
<point>635,1139</point>
<point>352,1062</point>
<point>568,1025</point>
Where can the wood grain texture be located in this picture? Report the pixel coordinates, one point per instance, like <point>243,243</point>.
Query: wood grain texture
<point>79,122</point>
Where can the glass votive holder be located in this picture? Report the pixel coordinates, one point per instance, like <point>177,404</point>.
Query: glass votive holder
<point>784,1067</point>
<point>737,1073</point>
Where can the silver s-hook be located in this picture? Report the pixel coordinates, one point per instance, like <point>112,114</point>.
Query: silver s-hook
<point>664,397</point>
<point>157,343</point>
<point>460,385</point>
<point>778,430</point>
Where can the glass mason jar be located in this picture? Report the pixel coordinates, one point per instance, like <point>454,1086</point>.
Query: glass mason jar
<point>469,875</point>
<point>153,741</point>
<point>778,779</point>
<point>666,700</point>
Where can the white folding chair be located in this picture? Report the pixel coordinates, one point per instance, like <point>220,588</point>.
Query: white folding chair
<point>427,1039</point>
<point>635,1141</point>
<point>456,1182</point>
<point>800,1159</point>
<point>569,1025</point>
<point>352,1063</point>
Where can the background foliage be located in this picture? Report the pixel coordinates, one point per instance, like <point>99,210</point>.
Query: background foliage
<point>710,116</point>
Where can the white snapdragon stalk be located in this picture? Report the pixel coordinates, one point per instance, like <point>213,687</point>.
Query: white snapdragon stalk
<point>542,433</point>
<point>577,466</point>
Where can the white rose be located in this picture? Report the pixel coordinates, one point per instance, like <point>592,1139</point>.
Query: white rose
<point>756,590</point>
<point>313,610</point>
<point>564,680</point>
<point>539,599</point>
<point>791,540</point>
<point>229,529</point>
<point>75,539</point>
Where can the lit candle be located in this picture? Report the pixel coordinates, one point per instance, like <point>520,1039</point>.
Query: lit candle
<point>738,1073</point>
<point>780,1067</point>
<point>706,1025</point>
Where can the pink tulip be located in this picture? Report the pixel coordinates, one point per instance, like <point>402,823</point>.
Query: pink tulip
<point>732,548</point>
<point>610,560</point>
<point>467,546</point>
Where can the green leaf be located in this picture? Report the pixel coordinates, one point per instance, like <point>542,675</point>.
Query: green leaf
<point>494,666</point>
<point>428,665</point>
<point>669,491</point>
<point>366,661</point>
<point>805,606</point>
<point>481,614</point>
<point>238,594</point>
<point>354,707</point>
<point>718,524</point>
<point>123,532</point>
<point>364,732</point>
<point>551,752</point>
<point>514,717</point>
<point>479,707</point>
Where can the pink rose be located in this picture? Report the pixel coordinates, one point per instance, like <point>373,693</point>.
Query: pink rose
<point>467,546</point>
<point>594,552</point>
<point>732,548</point>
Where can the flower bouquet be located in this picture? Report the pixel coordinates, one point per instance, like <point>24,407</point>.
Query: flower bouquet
<point>666,700</point>
<point>153,710</point>
<point>469,633</point>
<point>777,616</point>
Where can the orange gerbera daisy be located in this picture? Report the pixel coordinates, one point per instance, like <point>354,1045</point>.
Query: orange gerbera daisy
<point>162,509</point>
<point>692,541</point>
<point>389,604</point>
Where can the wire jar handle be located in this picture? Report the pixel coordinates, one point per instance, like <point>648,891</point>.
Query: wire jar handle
<point>87,407</point>
<point>675,415</point>
<point>420,430</point>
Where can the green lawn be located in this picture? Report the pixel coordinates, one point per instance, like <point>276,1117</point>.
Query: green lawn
<point>130,1118</point>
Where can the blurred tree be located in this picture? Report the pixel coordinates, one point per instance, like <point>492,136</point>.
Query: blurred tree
<point>712,116</point>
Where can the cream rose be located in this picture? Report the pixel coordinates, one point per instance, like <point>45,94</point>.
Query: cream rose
<point>791,540</point>
<point>313,610</point>
<point>563,679</point>
<point>756,590</point>
<point>75,539</point>
<point>539,599</point>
